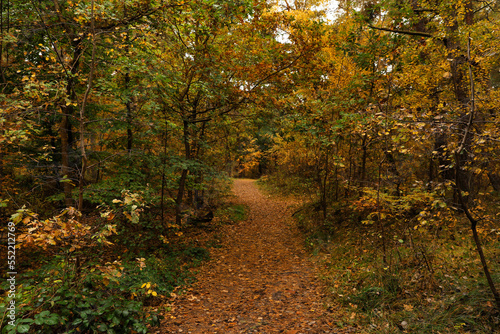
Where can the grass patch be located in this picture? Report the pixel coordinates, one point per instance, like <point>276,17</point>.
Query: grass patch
<point>237,212</point>
<point>230,213</point>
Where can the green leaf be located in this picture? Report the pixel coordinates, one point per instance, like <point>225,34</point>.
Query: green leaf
<point>102,327</point>
<point>27,320</point>
<point>23,328</point>
<point>52,320</point>
<point>43,314</point>
<point>10,329</point>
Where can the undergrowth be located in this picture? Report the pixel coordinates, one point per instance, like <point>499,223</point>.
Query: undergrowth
<point>431,282</point>
<point>279,185</point>
<point>107,274</point>
<point>429,279</point>
<point>117,296</point>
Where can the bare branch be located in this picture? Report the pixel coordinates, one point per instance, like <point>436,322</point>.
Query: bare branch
<point>403,32</point>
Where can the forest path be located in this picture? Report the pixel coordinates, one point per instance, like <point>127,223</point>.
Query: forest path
<point>259,281</point>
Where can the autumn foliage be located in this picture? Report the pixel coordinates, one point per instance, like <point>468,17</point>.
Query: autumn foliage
<point>122,121</point>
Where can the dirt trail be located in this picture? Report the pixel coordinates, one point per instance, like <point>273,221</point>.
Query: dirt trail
<point>259,281</point>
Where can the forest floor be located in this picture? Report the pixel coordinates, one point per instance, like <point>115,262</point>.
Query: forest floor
<point>259,280</point>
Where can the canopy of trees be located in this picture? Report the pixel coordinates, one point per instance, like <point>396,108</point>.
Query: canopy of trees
<point>130,115</point>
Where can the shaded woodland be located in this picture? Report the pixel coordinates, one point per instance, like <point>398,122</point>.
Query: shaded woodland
<point>122,122</point>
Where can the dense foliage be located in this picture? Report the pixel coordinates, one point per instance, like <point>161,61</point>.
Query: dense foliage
<point>120,122</point>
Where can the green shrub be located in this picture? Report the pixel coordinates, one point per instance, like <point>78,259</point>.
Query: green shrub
<point>110,298</point>
<point>53,299</point>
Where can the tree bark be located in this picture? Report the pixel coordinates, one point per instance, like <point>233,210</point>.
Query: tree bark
<point>495,181</point>
<point>82,114</point>
<point>164,165</point>
<point>184,173</point>
<point>65,169</point>
<point>65,131</point>
<point>128,104</point>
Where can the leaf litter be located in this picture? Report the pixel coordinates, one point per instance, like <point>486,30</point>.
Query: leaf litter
<point>260,280</point>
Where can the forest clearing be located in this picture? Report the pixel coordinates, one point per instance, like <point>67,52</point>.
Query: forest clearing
<point>249,166</point>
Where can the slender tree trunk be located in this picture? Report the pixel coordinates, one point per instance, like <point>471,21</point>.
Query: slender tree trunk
<point>324,204</point>
<point>128,104</point>
<point>495,181</point>
<point>180,195</point>
<point>129,97</point>
<point>473,226</point>
<point>184,173</point>
<point>337,150</point>
<point>82,113</point>
<point>164,165</point>
<point>199,174</point>
<point>349,172</point>
<point>4,28</point>
<point>459,164</point>
<point>65,131</point>
<point>380,220</point>
<point>2,74</point>
<point>469,13</point>
<point>65,169</point>
<point>364,149</point>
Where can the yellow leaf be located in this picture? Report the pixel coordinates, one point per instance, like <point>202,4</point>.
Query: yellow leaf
<point>105,281</point>
<point>408,307</point>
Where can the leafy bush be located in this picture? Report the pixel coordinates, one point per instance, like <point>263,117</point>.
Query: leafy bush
<point>53,299</point>
<point>60,297</point>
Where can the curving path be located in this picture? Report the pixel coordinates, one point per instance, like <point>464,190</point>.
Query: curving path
<point>259,281</point>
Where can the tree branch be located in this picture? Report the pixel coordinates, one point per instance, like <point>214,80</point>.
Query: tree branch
<point>404,32</point>
<point>423,10</point>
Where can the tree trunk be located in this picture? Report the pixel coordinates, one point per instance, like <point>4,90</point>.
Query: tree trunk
<point>82,113</point>
<point>128,104</point>
<point>65,169</point>
<point>198,198</point>
<point>164,165</point>
<point>184,174</point>
<point>65,131</point>
<point>364,155</point>
<point>459,166</point>
<point>128,101</point>
<point>495,181</point>
<point>324,182</point>
<point>180,196</point>
<point>473,227</point>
